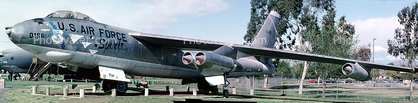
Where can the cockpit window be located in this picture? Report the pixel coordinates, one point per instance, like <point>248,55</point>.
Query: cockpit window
<point>70,15</point>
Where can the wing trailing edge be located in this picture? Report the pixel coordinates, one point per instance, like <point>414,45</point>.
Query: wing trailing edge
<point>285,54</point>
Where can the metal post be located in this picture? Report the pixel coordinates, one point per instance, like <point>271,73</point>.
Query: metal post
<point>404,92</point>
<point>337,90</point>
<point>146,92</point>
<point>234,90</point>
<point>223,87</point>
<point>81,93</point>
<point>188,89</point>
<point>381,89</point>
<point>356,89</point>
<point>251,91</point>
<point>282,83</point>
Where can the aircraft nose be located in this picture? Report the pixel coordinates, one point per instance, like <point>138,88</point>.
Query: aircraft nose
<point>16,32</point>
<point>8,30</point>
<point>12,34</point>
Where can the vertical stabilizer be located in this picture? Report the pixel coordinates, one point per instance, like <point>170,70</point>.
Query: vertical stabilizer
<point>266,37</point>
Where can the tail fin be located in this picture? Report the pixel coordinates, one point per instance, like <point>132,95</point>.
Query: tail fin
<point>266,37</point>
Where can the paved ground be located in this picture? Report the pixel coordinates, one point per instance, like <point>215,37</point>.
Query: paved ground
<point>4,90</point>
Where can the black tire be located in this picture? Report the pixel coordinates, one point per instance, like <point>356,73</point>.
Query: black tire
<point>106,86</point>
<point>121,88</point>
<point>226,93</point>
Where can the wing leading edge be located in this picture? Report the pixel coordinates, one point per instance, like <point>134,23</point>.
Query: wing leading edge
<point>187,43</point>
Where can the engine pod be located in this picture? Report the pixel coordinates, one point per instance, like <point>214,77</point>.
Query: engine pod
<point>355,71</point>
<point>211,63</point>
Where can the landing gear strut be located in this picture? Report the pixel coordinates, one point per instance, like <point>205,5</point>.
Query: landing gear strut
<point>225,92</point>
<point>97,85</point>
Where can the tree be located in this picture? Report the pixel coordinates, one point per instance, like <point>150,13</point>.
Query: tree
<point>405,41</point>
<point>340,35</point>
<point>284,67</point>
<point>288,10</point>
<point>295,19</point>
<point>363,53</point>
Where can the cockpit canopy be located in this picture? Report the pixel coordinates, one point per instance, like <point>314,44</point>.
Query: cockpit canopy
<point>70,15</point>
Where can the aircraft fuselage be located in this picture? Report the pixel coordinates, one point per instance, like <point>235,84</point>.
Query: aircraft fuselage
<point>89,44</point>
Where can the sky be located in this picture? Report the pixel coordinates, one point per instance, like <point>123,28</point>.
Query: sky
<point>217,20</point>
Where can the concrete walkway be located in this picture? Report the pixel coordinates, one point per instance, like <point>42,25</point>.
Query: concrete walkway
<point>4,90</point>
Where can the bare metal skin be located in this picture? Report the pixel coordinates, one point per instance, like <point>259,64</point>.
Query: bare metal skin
<point>74,38</point>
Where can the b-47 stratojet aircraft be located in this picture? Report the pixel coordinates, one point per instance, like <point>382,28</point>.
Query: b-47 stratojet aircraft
<point>106,52</point>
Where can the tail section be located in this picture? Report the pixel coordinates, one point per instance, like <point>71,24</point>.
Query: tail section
<point>266,37</point>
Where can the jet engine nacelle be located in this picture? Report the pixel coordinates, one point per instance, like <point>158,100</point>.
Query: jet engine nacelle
<point>210,63</point>
<point>215,62</point>
<point>355,71</point>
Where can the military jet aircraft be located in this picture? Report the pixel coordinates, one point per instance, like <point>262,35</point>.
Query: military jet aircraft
<point>107,52</point>
<point>21,61</point>
<point>17,60</point>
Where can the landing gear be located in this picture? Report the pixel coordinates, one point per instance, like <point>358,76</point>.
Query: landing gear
<point>225,92</point>
<point>120,87</point>
<point>202,84</point>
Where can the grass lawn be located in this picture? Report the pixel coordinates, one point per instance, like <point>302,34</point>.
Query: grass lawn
<point>311,93</point>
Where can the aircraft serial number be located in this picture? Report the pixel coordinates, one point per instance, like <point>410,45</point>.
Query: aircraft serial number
<point>36,35</point>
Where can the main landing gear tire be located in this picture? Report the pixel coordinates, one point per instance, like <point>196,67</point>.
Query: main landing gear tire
<point>226,93</point>
<point>120,87</point>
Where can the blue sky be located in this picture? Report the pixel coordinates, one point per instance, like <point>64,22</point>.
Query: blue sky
<point>218,20</point>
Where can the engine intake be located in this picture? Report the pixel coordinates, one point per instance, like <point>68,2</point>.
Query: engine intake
<point>187,58</point>
<point>355,71</point>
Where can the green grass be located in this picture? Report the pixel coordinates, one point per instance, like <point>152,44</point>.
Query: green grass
<point>262,95</point>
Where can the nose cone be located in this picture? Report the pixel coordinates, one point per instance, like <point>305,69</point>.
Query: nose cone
<point>14,34</point>
<point>8,30</point>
